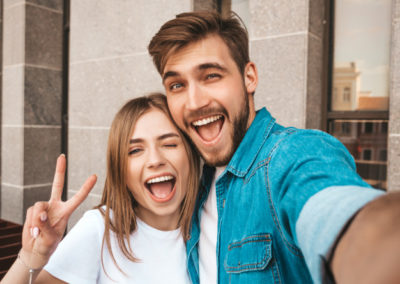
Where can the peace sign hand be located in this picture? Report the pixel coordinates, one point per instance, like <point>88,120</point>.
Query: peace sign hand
<point>46,221</point>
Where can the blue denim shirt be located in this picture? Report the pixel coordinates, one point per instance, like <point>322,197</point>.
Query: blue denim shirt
<point>282,200</point>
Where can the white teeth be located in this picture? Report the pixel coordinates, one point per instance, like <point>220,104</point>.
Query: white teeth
<point>207,120</point>
<point>160,179</point>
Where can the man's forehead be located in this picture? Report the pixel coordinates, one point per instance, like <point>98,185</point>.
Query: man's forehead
<point>194,55</point>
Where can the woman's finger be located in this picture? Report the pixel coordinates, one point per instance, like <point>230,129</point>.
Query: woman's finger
<point>39,210</point>
<point>28,224</point>
<point>81,195</point>
<point>58,182</point>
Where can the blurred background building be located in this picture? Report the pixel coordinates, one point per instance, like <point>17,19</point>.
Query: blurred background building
<point>68,66</point>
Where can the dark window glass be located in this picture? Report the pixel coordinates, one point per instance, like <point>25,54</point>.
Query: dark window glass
<point>368,149</point>
<point>358,103</point>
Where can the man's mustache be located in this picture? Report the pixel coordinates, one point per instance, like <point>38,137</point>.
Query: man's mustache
<point>203,112</point>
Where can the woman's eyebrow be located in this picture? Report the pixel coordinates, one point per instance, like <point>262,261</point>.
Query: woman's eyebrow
<point>168,135</point>
<point>136,140</point>
<point>162,137</point>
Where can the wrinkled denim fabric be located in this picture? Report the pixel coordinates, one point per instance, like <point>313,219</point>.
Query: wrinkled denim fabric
<point>282,201</point>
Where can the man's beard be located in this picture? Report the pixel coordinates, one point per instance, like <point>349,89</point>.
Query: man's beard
<point>238,131</point>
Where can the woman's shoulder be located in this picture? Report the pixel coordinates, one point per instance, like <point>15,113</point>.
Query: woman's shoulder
<point>92,220</point>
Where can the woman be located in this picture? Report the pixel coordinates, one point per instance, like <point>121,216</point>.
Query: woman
<point>137,233</point>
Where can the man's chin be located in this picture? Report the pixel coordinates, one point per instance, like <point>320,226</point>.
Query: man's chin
<point>217,159</point>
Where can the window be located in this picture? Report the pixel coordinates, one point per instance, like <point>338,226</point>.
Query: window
<point>346,94</point>
<point>383,155</point>
<point>367,155</point>
<point>384,127</point>
<point>368,127</point>
<point>359,83</point>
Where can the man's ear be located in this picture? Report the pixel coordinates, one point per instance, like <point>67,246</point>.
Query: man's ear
<point>250,77</point>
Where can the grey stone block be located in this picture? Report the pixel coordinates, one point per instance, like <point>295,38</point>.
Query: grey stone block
<point>315,79</point>
<point>35,194</point>
<point>394,111</point>
<point>91,201</point>
<point>8,3</point>
<point>44,37</point>
<point>16,201</point>
<point>14,35</point>
<point>204,5</point>
<point>281,64</point>
<point>43,89</point>
<point>42,146</point>
<point>394,163</point>
<point>99,88</point>
<point>87,156</point>
<point>12,155</point>
<point>12,204</point>
<point>13,95</point>
<point>101,29</point>
<point>52,4</point>
<point>396,9</point>
<point>271,17</point>
<point>317,12</point>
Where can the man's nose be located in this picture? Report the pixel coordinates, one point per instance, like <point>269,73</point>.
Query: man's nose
<point>197,98</point>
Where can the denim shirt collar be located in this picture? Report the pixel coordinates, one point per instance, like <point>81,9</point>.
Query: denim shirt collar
<point>251,144</point>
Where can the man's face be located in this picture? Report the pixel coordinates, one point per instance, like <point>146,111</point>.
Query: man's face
<point>209,99</point>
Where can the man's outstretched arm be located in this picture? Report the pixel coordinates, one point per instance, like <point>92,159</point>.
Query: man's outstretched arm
<point>369,250</point>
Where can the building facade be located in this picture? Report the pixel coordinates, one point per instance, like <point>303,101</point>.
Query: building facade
<point>68,66</point>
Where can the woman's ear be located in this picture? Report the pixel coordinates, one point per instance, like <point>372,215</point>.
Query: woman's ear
<point>250,77</point>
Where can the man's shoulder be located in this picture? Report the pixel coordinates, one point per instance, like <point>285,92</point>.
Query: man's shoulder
<point>295,141</point>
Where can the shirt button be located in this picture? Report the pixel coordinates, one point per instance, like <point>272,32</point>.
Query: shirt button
<point>223,203</point>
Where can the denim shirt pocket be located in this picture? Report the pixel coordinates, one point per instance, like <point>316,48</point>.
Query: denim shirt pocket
<point>251,259</point>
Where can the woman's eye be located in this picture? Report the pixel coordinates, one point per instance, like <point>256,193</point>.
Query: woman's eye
<point>134,151</point>
<point>170,145</point>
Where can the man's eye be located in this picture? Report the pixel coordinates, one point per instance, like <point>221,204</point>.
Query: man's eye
<point>175,86</point>
<point>213,75</point>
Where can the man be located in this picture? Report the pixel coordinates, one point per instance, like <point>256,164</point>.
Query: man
<point>280,207</point>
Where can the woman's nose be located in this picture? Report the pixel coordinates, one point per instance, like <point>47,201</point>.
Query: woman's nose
<point>155,158</point>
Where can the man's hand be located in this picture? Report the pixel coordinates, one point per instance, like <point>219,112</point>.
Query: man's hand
<point>369,251</point>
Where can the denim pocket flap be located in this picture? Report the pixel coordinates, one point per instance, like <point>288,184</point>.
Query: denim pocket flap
<point>250,253</point>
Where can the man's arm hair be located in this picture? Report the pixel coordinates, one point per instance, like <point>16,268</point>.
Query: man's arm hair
<point>369,250</point>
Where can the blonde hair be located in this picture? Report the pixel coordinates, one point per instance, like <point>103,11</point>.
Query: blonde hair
<point>117,197</point>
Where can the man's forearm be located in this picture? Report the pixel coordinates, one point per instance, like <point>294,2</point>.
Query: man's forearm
<point>369,250</point>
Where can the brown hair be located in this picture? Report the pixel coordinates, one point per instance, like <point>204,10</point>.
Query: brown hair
<point>190,27</point>
<point>116,196</point>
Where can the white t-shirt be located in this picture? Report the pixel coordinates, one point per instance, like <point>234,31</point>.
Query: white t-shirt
<point>208,235</point>
<point>77,259</point>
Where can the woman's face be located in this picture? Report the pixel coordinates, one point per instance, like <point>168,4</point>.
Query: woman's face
<point>158,170</point>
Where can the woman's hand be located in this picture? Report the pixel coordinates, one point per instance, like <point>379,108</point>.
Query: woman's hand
<point>46,221</point>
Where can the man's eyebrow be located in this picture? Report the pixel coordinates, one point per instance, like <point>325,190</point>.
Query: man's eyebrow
<point>212,65</point>
<point>169,74</point>
<point>204,66</point>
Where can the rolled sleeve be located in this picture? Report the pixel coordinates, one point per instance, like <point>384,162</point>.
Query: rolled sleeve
<point>322,219</point>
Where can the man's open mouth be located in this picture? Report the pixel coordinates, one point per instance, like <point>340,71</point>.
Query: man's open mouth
<point>161,188</point>
<point>208,128</point>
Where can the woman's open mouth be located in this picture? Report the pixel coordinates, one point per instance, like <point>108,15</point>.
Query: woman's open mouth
<point>161,188</point>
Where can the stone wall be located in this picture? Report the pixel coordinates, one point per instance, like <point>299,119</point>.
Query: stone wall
<point>109,64</point>
<point>394,115</point>
<point>31,102</point>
